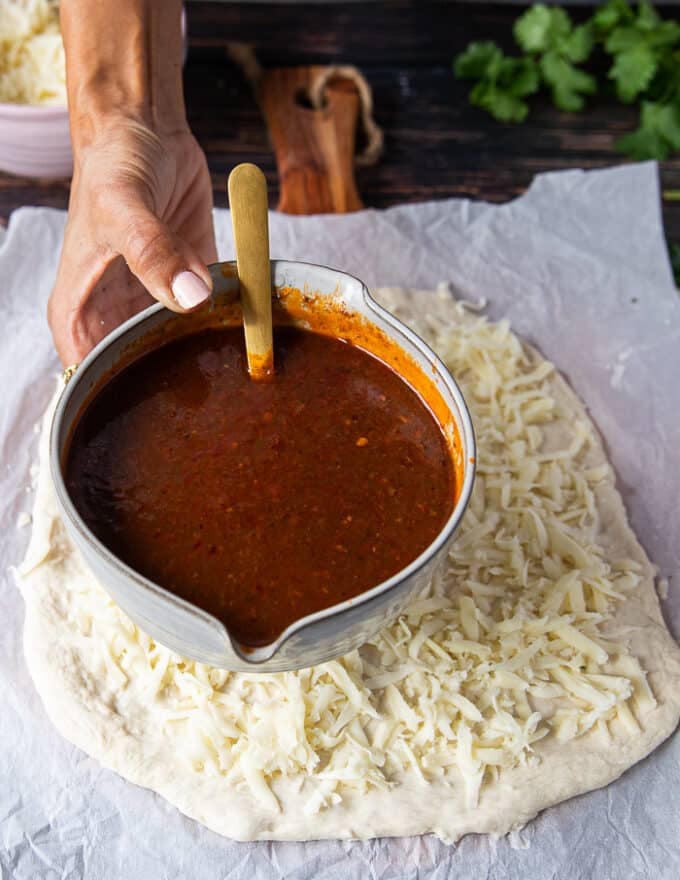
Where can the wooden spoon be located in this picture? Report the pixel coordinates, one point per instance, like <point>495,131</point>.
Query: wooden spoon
<point>248,202</point>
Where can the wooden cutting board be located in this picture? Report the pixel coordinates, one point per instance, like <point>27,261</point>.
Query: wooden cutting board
<point>314,148</point>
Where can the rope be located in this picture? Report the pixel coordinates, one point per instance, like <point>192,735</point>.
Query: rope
<point>374,136</point>
<point>244,56</point>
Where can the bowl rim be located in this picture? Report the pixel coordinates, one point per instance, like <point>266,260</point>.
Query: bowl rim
<point>42,111</point>
<point>255,656</point>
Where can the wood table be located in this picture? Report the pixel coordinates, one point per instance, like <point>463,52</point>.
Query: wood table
<point>436,144</point>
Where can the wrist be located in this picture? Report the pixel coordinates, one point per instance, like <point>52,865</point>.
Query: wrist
<point>123,60</point>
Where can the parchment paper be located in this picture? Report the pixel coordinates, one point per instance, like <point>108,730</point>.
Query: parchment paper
<point>579,265</point>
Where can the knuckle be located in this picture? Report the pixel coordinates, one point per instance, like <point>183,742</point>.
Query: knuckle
<point>148,248</point>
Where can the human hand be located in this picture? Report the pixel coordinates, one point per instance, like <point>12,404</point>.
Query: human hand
<point>139,228</point>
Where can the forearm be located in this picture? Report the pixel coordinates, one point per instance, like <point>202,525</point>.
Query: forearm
<point>123,57</point>
<point>140,210</point>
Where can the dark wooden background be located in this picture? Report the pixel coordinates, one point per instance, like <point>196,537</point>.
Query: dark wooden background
<point>437,145</point>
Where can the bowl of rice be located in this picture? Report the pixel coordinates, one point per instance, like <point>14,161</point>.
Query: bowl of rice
<point>34,129</point>
<point>34,133</point>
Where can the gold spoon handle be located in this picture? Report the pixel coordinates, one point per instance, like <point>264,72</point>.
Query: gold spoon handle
<point>248,202</point>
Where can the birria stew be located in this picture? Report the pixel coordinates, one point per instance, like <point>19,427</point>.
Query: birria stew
<point>261,502</point>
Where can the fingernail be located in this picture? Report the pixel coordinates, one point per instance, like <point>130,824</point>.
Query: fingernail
<point>189,290</point>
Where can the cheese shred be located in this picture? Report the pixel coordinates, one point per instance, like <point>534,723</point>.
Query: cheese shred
<point>505,649</point>
<point>32,62</point>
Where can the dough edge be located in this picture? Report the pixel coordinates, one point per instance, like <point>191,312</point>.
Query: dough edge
<point>412,807</point>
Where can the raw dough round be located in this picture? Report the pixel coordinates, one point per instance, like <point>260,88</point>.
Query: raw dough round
<point>428,728</point>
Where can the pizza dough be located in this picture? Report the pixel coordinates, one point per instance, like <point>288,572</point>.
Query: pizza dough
<point>537,667</point>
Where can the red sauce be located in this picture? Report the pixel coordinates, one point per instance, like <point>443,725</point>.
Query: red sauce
<point>261,502</point>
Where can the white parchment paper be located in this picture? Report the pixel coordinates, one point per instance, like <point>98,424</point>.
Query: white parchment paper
<point>579,265</point>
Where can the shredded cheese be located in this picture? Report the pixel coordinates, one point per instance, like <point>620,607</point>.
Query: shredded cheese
<point>32,64</point>
<point>504,649</point>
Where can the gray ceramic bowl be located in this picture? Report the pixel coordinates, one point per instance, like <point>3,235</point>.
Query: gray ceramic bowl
<point>180,625</point>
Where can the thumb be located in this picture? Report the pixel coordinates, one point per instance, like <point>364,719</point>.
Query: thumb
<point>169,268</point>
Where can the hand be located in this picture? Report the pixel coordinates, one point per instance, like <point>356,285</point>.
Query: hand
<point>139,228</point>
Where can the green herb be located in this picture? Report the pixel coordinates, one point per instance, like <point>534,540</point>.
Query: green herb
<point>549,35</point>
<point>645,66</point>
<point>658,134</point>
<point>638,43</point>
<point>503,82</point>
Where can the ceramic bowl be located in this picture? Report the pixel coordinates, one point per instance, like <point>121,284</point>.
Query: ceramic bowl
<point>35,141</point>
<point>182,626</point>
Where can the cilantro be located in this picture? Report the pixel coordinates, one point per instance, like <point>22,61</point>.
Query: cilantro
<point>567,82</point>
<point>544,29</point>
<point>503,82</point>
<point>610,15</point>
<point>658,134</point>
<point>540,28</point>
<point>637,47</point>
<point>632,71</point>
<point>476,60</point>
<point>548,33</point>
<point>645,66</point>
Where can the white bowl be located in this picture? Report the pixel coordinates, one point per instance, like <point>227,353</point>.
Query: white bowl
<point>35,141</point>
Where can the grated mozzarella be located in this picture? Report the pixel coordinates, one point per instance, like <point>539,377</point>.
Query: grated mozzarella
<point>505,649</point>
<point>32,63</point>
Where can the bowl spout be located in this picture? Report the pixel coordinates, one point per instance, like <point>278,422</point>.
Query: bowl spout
<point>329,302</point>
